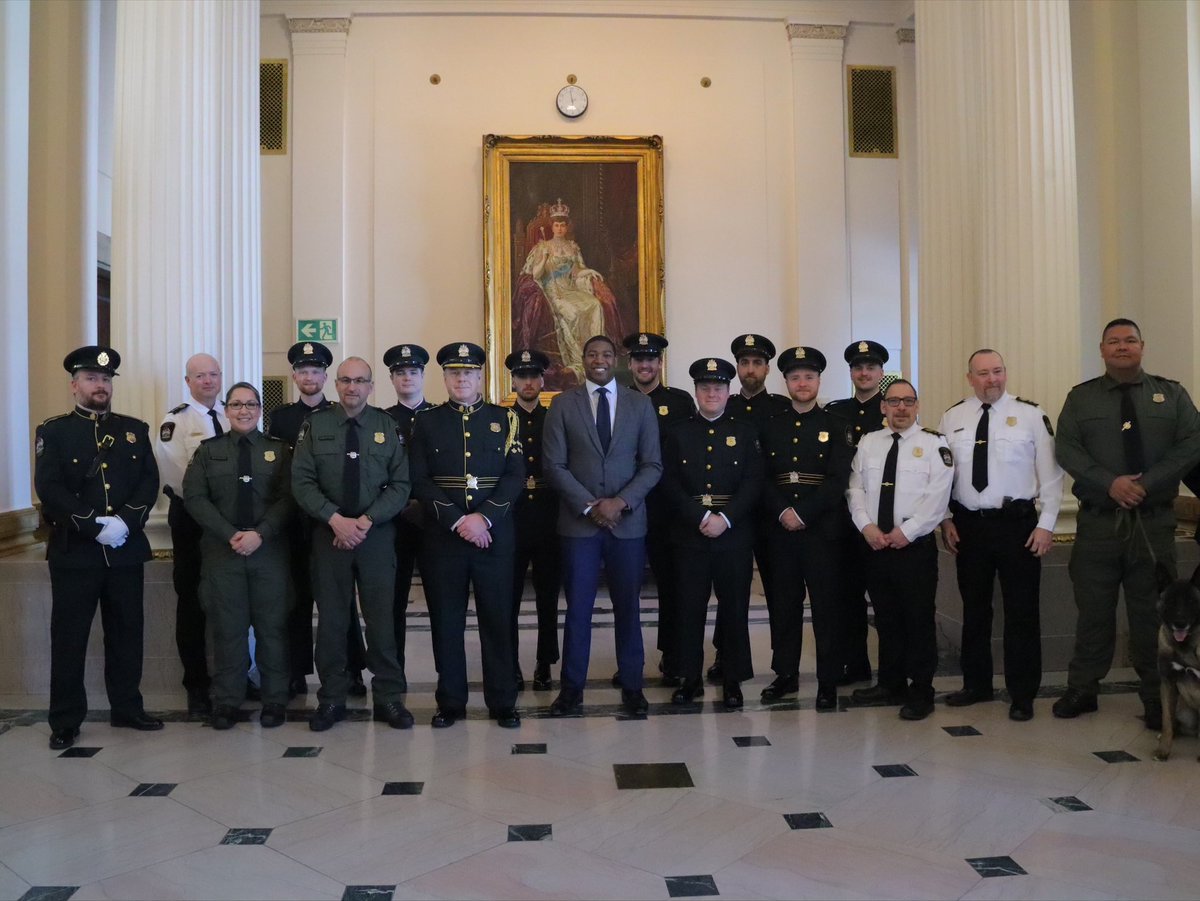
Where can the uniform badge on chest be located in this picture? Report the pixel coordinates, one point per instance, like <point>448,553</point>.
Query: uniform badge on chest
<point>822,437</point>
<point>1011,421</point>
<point>918,452</point>
<point>731,441</point>
<point>662,411</point>
<point>269,456</point>
<point>131,438</point>
<point>495,427</point>
<point>379,438</point>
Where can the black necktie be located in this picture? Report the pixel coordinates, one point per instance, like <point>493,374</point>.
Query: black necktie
<point>887,488</point>
<point>245,495</point>
<point>979,476</point>
<point>1131,435</point>
<point>603,418</point>
<point>350,471</point>
<point>217,430</point>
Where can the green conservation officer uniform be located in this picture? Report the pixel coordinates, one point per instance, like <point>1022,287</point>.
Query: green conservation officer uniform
<point>372,445</point>
<point>1115,547</point>
<point>243,483</point>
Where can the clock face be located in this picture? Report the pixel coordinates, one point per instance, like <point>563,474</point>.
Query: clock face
<point>572,101</point>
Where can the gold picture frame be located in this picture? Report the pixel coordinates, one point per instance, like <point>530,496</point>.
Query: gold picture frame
<point>551,287</point>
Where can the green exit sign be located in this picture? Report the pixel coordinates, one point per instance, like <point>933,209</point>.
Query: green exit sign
<point>316,330</point>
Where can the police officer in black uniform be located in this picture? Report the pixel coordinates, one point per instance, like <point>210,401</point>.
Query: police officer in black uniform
<point>468,471</point>
<point>672,405</point>
<point>406,365</point>
<point>712,482</point>
<point>96,477</point>
<point>862,413</point>
<point>536,515</point>
<point>808,452</point>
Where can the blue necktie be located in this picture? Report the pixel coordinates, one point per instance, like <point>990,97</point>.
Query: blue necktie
<point>603,418</point>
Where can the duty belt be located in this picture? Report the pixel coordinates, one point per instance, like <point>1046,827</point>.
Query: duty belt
<point>712,500</point>
<point>465,483</point>
<point>1012,509</point>
<point>800,478</point>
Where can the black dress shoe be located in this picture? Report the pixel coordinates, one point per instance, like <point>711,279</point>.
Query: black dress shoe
<point>223,717</point>
<point>272,715</point>
<point>781,688</point>
<point>826,697</point>
<point>876,694</point>
<point>1153,715</point>
<point>325,716</point>
<point>1073,703</point>
<point>298,686</point>
<point>199,703</point>
<point>140,720</point>
<point>715,673</point>
<point>1021,711</point>
<point>916,709</point>
<point>688,692</point>
<point>541,677</point>
<point>253,692</point>
<point>568,703</point>
<point>61,739</point>
<point>445,718</point>
<point>634,701</point>
<point>394,714</point>
<point>508,718</point>
<point>358,688</point>
<point>733,699</point>
<point>967,696</point>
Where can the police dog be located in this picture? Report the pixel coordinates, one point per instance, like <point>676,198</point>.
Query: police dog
<point>1178,654</point>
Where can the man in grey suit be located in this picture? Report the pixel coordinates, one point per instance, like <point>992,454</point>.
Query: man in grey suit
<point>600,452</point>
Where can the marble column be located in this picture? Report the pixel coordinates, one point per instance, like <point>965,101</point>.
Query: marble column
<point>318,126</point>
<point>906,115</point>
<point>997,197</point>
<point>819,151</point>
<point>186,207</point>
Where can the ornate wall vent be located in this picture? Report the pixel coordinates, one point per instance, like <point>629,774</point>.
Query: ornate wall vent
<point>274,395</point>
<point>871,100</point>
<point>272,106</point>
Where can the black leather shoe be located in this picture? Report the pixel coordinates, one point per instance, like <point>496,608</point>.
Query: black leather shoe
<point>715,673</point>
<point>223,717</point>
<point>61,739</point>
<point>634,701</point>
<point>733,699</point>
<point>876,694</point>
<point>325,716</point>
<point>444,718</point>
<point>1073,703</point>
<point>568,703</point>
<point>199,703</point>
<point>916,709</point>
<point>298,686</point>
<point>253,692</point>
<point>1021,711</point>
<point>826,697</point>
<point>850,676</point>
<point>394,714</point>
<point>272,715</point>
<point>508,718</point>
<point>688,692</point>
<point>358,688</point>
<point>520,680</point>
<point>781,688</point>
<point>1153,715</point>
<point>965,697</point>
<point>541,677</point>
<point>141,721</point>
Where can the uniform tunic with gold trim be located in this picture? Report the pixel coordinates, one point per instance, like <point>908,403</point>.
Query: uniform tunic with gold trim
<point>863,416</point>
<point>807,467</point>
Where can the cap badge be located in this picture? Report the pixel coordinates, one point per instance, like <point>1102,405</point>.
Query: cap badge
<point>463,350</point>
<point>749,342</point>
<point>711,366</point>
<point>799,353</point>
<point>405,351</point>
<point>308,349</point>
<point>525,357</point>
<point>102,358</point>
<point>643,340</point>
<point>863,347</point>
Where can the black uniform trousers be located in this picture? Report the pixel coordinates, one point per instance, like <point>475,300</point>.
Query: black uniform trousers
<point>75,593</point>
<point>852,606</point>
<point>699,573</point>
<point>448,580</point>
<point>335,573</point>
<point>903,586</point>
<point>408,548</point>
<point>190,622</point>
<point>800,561</point>
<point>538,547</point>
<point>660,553</point>
<point>989,547</point>
<point>762,559</point>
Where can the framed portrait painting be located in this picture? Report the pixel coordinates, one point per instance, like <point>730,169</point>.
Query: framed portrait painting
<point>572,247</point>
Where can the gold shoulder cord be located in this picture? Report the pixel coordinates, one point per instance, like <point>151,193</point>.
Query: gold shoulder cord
<point>512,441</point>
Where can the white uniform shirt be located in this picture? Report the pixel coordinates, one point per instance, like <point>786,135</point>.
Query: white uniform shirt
<point>924,475</point>
<point>1020,449</point>
<point>179,434</point>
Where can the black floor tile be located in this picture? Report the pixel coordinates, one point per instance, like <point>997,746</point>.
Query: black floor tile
<point>403,788</point>
<point>996,866</point>
<point>535,832</point>
<point>368,892</point>
<point>1116,756</point>
<point>807,821</point>
<point>1068,804</point>
<point>530,748</point>
<point>153,790</point>
<point>691,886</point>
<point>961,731</point>
<point>80,752</point>
<point>889,770</point>
<point>751,741</point>
<point>301,752</point>
<point>49,892</point>
<point>246,837</point>
<point>652,775</point>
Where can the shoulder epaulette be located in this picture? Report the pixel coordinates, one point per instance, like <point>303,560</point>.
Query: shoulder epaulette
<point>963,401</point>
<point>1032,403</point>
<point>178,409</point>
<point>838,402</point>
<point>679,391</point>
<point>1163,378</point>
<point>53,418</point>
<point>214,438</point>
<point>274,439</point>
<point>934,432</point>
<point>425,409</point>
<point>1088,382</point>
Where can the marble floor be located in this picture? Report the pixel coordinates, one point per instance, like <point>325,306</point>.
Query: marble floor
<point>769,802</point>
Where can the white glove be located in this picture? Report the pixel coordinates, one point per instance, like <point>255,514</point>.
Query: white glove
<point>114,531</point>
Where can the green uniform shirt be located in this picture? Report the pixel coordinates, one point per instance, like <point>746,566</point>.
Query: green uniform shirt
<point>1090,447</point>
<point>212,484</point>
<point>320,457</point>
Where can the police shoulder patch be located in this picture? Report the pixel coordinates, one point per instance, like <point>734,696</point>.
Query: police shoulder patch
<point>178,409</point>
<point>39,445</point>
<point>166,431</point>
<point>946,457</point>
<point>1049,428</point>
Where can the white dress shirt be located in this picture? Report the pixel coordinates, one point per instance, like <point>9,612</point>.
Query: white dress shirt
<point>924,475</point>
<point>179,434</point>
<point>594,399</point>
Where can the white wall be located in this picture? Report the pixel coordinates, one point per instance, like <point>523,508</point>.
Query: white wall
<point>276,181</point>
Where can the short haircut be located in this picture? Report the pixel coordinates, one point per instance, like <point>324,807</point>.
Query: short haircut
<point>247,386</point>
<point>901,382</point>
<point>983,350</point>
<point>370,374</point>
<point>595,338</point>
<point>1121,321</point>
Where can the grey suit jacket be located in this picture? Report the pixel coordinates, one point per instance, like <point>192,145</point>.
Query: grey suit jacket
<point>581,472</point>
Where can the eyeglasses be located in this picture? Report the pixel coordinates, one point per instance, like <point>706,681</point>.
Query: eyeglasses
<point>345,380</point>
<point>897,401</point>
<point>242,404</point>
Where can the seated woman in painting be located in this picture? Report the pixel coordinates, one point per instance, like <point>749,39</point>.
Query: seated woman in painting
<point>559,302</point>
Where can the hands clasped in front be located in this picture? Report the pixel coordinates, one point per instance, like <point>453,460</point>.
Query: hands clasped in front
<point>606,512</point>
<point>878,539</point>
<point>349,533</point>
